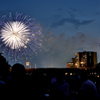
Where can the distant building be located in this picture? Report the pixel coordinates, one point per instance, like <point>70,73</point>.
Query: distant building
<point>84,60</point>
<point>27,63</point>
<point>71,64</point>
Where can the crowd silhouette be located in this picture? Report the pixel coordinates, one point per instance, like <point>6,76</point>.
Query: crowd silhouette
<point>17,84</point>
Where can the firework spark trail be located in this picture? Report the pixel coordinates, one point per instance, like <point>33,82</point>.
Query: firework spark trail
<point>18,34</point>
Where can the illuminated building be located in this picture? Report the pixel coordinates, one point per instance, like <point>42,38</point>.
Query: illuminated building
<point>27,63</point>
<point>71,64</point>
<point>85,59</point>
<point>77,60</point>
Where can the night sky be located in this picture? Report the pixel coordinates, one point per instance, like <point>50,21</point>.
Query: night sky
<point>68,27</point>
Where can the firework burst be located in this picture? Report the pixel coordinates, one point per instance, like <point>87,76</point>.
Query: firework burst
<point>19,34</point>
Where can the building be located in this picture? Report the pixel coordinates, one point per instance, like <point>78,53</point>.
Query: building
<point>85,60</point>
<point>71,64</point>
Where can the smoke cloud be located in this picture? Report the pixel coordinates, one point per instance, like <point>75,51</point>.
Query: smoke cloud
<point>58,50</point>
<point>74,21</point>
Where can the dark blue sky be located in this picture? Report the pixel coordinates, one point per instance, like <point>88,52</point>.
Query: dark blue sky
<point>69,26</point>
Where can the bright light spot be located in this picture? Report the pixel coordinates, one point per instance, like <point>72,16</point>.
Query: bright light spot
<point>27,63</point>
<point>25,46</point>
<point>82,62</point>
<point>19,35</point>
<point>66,73</point>
<point>71,73</point>
<point>28,39</point>
<point>14,34</point>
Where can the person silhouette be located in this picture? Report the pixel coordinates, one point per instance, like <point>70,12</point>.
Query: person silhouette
<point>17,84</point>
<point>88,89</point>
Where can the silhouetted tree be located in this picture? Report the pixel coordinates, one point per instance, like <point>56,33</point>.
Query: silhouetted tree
<point>4,67</point>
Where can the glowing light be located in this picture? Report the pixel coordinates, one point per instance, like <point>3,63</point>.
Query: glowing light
<point>13,34</point>
<point>27,63</point>
<point>71,73</point>
<point>18,34</point>
<point>76,64</point>
<point>82,62</point>
<point>66,73</point>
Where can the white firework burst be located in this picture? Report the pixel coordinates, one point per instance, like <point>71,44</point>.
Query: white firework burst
<point>19,33</point>
<point>14,34</point>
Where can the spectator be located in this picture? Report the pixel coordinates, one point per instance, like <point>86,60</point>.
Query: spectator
<point>59,94</point>
<point>18,72</point>
<point>88,89</point>
<point>17,85</point>
<point>59,89</point>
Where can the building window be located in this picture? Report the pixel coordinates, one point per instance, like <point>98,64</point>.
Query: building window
<point>85,56</point>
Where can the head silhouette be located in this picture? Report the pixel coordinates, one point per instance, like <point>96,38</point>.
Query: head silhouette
<point>18,71</point>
